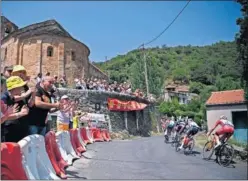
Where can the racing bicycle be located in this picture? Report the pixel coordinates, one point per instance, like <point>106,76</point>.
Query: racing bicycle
<point>169,133</point>
<point>224,153</point>
<point>188,145</point>
<point>177,137</point>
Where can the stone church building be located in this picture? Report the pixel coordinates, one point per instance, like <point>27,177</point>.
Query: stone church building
<point>46,47</point>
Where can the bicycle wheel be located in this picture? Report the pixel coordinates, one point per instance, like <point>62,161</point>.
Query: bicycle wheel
<point>208,148</point>
<point>178,144</point>
<point>174,141</point>
<point>226,151</point>
<point>166,138</point>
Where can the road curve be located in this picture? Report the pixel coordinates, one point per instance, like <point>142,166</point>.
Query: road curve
<point>148,158</point>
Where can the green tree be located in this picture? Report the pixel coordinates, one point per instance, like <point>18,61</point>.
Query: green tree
<point>242,43</point>
<point>208,68</point>
<point>196,87</point>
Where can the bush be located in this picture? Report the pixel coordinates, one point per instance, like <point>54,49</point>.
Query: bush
<point>190,114</point>
<point>198,121</point>
<point>178,113</point>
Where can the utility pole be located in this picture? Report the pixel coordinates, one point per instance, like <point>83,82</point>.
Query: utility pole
<point>108,72</point>
<point>146,77</point>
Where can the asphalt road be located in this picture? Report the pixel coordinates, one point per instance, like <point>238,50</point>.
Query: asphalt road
<point>148,158</point>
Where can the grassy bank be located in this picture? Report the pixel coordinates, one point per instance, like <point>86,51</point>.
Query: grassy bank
<point>200,140</point>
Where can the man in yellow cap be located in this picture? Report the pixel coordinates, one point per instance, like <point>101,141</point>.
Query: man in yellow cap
<point>26,98</point>
<point>11,127</point>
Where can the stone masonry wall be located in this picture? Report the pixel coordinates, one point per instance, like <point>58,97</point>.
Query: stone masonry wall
<point>89,99</point>
<point>70,57</point>
<point>96,72</point>
<point>32,54</point>
<point>9,53</point>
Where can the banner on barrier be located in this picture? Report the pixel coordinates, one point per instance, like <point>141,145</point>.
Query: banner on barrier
<point>93,117</point>
<point>117,105</point>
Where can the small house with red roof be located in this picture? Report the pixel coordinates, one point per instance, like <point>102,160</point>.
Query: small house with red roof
<point>179,92</point>
<point>232,104</point>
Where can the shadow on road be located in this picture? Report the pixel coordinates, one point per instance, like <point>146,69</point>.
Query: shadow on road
<point>142,162</point>
<point>72,174</point>
<point>232,164</point>
<point>193,153</point>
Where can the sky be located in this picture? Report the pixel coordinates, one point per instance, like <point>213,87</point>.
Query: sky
<point>111,28</point>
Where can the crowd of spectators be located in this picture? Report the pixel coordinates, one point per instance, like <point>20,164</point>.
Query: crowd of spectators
<point>25,107</point>
<point>104,85</point>
<point>95,84</point>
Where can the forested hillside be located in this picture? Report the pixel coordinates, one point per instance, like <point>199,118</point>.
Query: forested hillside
<point>205,68</point>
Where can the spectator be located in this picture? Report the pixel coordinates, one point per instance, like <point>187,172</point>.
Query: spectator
<point>72,113</point>
<point>38,78</point>
<point>83,84</point>
<point>76,119</point>
<point>11,128</point>
<point>7,71</point>
<point>77,84</point>
<point>63,116</point>
<point>4,112</point>
<point>27,98</point>
<point>62,82</point>
<point>56,82</point>
<point>4,107</point>
<point>48,74</point>
<point>65,80</point>
<point>129,89</point>
<point>3,85</point>
<point>43,105</point>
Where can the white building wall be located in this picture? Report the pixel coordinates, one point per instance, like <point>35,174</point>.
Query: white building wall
<point>184,98</point>
<point>214,112</point>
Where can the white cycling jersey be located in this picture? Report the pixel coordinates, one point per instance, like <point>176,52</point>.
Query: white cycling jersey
<point>226,122</point>
<point>181,123</point>
<point>193,124</point>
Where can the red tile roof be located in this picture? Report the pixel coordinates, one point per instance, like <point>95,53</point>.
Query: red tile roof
<point>182,88</point>
<point>226,97</point>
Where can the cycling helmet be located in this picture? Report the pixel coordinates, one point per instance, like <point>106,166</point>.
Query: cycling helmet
<point>223,117</point>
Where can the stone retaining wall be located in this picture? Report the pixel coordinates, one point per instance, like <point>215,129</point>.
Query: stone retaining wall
<point>89,100</point>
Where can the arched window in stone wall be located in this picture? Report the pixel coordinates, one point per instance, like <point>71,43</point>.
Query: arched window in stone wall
<point>50,51</point>
<point>73,56</point>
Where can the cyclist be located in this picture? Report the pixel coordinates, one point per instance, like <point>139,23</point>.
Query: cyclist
<point>180,125</point>
<point>169,126</point>
<point>227,129</point>
<point>193,130</point>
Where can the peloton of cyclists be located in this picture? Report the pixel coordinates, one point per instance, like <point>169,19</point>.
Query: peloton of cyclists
<point>227,129</point>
